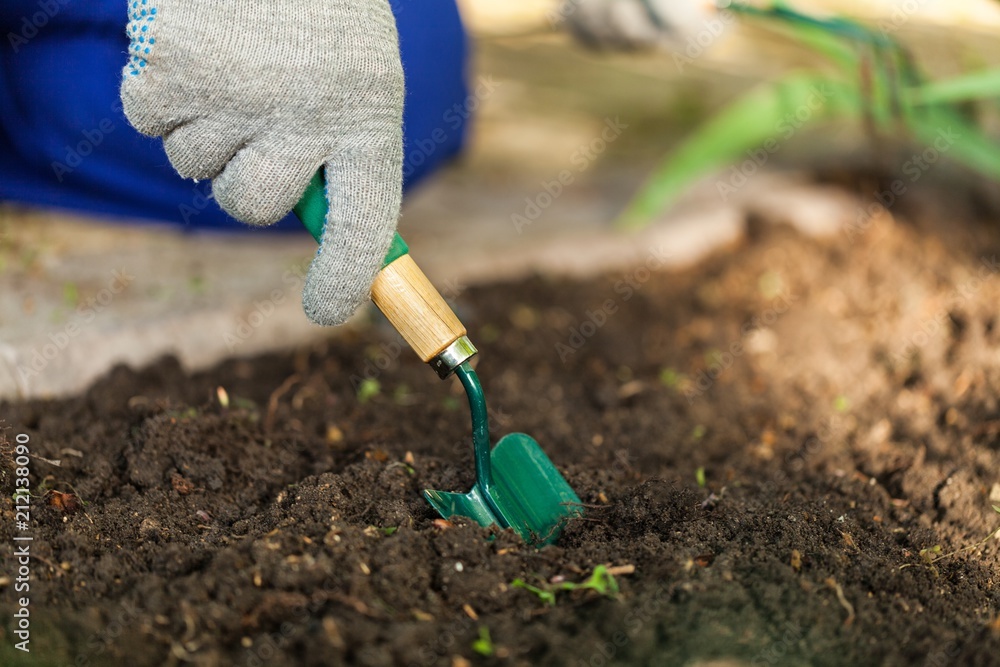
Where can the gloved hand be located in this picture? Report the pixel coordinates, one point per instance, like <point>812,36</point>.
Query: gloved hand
<point>632,24</point>
<point>257,96</point>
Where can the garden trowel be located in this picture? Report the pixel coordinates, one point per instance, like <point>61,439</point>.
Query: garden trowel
<point>517,486</point>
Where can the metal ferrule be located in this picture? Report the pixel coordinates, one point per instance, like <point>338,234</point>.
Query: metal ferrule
<point>453,356</point>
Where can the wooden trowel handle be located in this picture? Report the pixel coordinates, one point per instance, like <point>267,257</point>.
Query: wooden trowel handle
<point>418,311</point>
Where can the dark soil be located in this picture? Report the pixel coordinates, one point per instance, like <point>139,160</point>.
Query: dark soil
<point>856,425</point>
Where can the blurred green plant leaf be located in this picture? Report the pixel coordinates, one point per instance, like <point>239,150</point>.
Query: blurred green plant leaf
<point>874,80</point>
<point>966,143</point>
<point>979,85</point>
<point>601,581</point>
<point>761,115</point>
<point>483,645</point>
<point>819,38</point>
<point>545,595</point>
<point>368,389</point>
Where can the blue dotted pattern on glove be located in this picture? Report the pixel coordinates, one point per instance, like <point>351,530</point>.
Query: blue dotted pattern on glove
<point>141,14</point>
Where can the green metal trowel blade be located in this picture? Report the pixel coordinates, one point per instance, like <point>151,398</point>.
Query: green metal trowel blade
<point>530,494</point>
<point>534,497</point>
<point>471,505</point>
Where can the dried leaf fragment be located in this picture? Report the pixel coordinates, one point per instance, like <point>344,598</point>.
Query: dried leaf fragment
<point>64,502</point>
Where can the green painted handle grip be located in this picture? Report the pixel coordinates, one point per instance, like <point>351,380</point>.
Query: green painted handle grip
<point>312,208</point>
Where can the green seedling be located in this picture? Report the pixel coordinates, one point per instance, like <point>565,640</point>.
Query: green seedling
<point>670,378</point>
<point>928,555</point>
<point>389,530</point>
<point>368,389</point>
<point>44,486</point>
<point>698,432</point>
<point>699,476</point>
<point>841,404</point>
<point>600,581</point>
<point>933,555</point>
<point>484,644</point>
<point>546,595</point>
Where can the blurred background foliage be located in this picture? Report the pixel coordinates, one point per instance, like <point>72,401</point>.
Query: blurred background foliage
<point>891,75</point>
<point>871,79</point>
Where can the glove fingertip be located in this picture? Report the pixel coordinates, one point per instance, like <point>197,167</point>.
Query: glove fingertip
<point>259,188</point>
<point>331,305</point>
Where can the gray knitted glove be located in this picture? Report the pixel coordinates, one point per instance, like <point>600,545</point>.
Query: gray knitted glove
<point>258,95</point>
<point>632,24</point>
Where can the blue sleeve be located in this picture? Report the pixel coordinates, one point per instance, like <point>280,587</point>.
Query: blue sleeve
<point>65,143</point>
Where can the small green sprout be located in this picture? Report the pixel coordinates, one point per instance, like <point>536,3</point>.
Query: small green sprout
<point>368,389</point>
<point>699,432</point>
<point>670,378</point>
<point>932,555</point>
<point>545,595</point>
<point>841,404</point>
<point>600,581</point>
<point>927,555</point>
<point>389,530</point>
<point>484,645</point>
<point>699,476</point>
<point>43,487</point>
